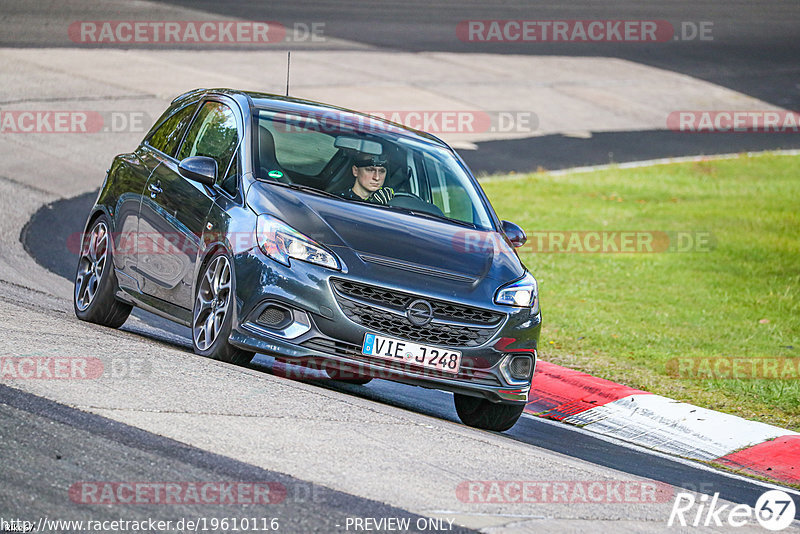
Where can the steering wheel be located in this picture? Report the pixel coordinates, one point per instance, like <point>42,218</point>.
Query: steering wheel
<point>414,202</point>
<point>403,194</point>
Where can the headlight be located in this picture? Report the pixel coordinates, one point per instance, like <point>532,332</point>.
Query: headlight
<point>524,292</point>
<point>280,242</point>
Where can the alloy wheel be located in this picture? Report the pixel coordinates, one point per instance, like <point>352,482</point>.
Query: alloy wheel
<point>211,305</point>
<point>91,265</point>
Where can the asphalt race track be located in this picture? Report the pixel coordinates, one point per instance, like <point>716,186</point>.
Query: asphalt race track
<point>535,432</point>
<point>753,50</point>
<point>333,451</point>
<point>38,424</point>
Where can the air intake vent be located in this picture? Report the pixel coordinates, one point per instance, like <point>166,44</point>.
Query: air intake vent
<point>274,316</point>
<point>520,367</point>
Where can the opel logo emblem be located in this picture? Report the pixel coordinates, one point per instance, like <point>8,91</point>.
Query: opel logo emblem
<point>419,312</point>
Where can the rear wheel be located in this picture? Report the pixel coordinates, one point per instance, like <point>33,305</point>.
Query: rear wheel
<point>95,282</point>
<point>212,316</point>
<point>481,413</point>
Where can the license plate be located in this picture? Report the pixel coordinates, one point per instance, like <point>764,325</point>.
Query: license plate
<point>398,350</point>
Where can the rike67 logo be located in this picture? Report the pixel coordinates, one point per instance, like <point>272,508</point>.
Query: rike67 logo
<point>774,510</point>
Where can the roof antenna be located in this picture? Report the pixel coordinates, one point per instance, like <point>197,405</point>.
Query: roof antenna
<point>288,63</point>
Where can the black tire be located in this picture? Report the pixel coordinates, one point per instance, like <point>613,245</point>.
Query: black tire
<point>93,297</point>
<point>214,298</point>
<point>481,413</point>
<point>335,372</point>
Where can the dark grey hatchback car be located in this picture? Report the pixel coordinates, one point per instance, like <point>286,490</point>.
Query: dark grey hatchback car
<point>238,217</point>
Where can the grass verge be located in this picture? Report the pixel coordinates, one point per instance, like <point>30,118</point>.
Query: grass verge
<point>715,299</point>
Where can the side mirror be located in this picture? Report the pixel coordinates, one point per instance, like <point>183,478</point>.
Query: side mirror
<point>200,169</point>
<point>514,233</point>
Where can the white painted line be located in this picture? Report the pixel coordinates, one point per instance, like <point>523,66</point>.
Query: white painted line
<point>681,159</point>
<point>675,427</point>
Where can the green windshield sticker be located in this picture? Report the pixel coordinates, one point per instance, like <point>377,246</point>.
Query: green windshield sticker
<point>275,174</point>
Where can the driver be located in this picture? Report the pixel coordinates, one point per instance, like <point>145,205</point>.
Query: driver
<point>370,172</point>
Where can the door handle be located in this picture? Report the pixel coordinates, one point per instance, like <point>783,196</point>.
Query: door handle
<point>155,189</point>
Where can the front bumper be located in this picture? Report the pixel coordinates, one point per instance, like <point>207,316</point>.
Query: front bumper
<point>321,330</point>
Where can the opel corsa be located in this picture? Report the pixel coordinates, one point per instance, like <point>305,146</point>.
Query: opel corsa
<point>235,216</point>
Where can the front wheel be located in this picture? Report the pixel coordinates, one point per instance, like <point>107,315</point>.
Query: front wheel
<point>481,413</point>
<point>212,316</point>
<point>95,282</point>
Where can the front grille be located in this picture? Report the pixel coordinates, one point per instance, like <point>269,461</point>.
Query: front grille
<point>338,348</point>
<point>383,310</point>
<point>398,300</point>
<point>470,367</point>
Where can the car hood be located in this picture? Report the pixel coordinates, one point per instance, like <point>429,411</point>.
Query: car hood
<point>370,238</point>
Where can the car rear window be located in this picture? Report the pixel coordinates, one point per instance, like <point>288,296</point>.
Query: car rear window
<point>169,134</point>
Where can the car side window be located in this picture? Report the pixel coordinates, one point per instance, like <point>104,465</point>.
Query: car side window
<point>168,135</point>
<point>213,134</point>
<point>447,193</point>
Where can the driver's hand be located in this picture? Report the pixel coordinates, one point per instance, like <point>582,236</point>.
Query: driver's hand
<point>382,195</point>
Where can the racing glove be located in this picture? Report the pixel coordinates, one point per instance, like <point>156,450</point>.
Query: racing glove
<point>382,195</point>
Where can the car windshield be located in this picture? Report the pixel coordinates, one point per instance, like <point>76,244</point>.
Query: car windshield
<point>324,152</point>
